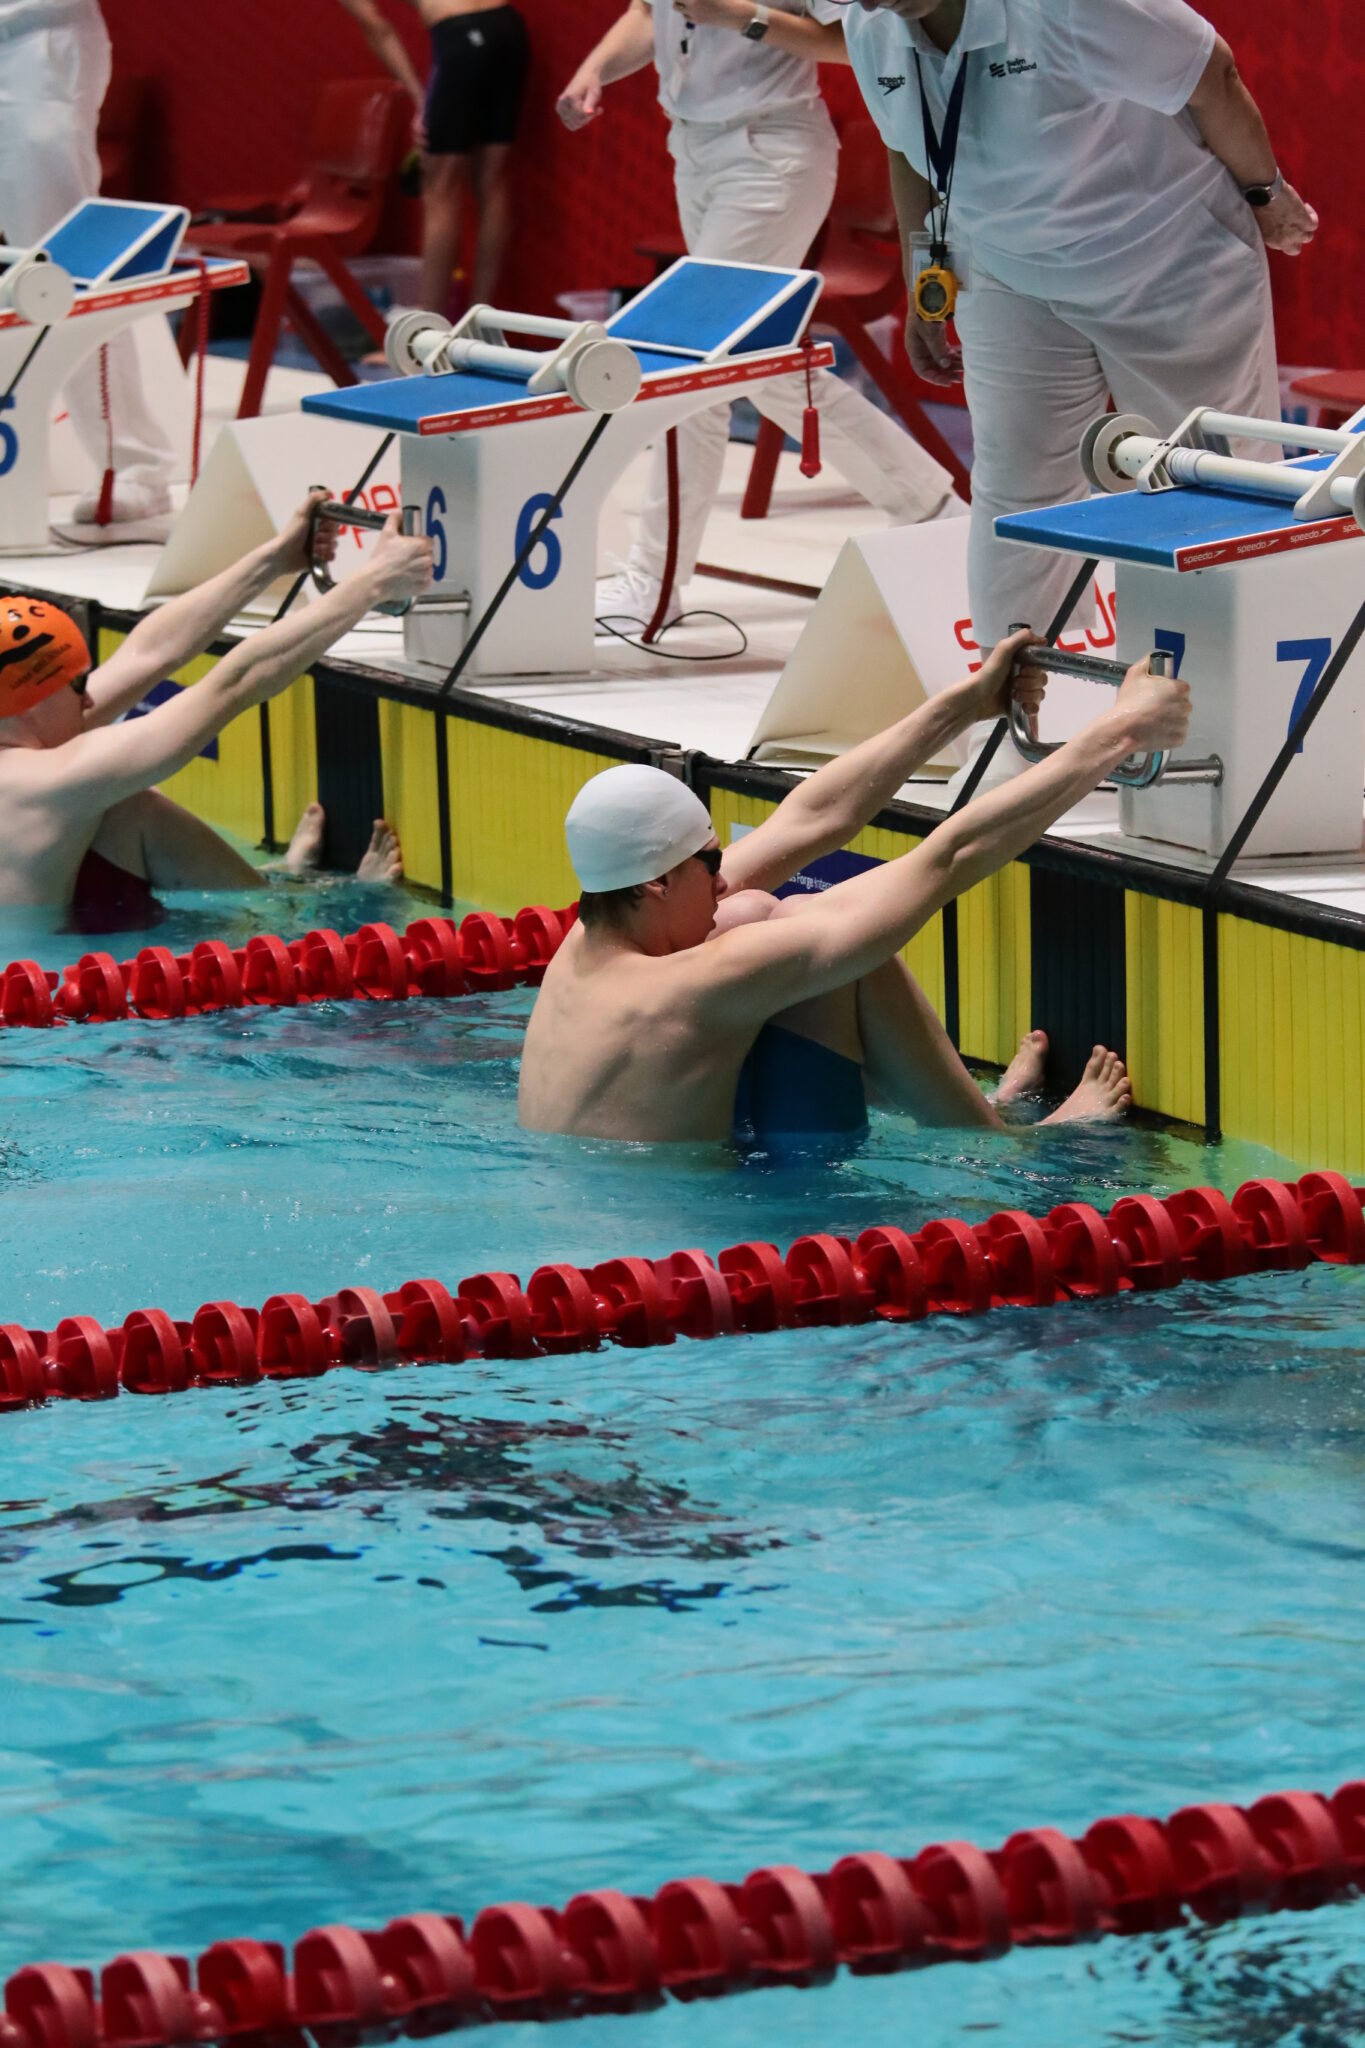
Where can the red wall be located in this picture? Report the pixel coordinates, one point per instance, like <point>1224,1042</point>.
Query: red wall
<point>235,79</point>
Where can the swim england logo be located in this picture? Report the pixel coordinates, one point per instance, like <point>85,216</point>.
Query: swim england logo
<point>890,85</point>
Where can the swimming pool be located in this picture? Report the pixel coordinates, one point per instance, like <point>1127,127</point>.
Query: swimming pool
<point>437,1636</point>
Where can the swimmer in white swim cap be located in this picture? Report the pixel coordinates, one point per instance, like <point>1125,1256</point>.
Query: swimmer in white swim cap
<point>689,1003</point>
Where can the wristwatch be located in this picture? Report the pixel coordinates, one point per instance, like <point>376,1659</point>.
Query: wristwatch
<point>1259,195</point>
<point>758,27</point>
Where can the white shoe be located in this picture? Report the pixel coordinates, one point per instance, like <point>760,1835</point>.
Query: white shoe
<point>131,501</point>
<point>632,595</point>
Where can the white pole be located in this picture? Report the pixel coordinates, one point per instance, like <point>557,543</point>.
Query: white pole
<point>1228,472</point>
<point>1238,427</point>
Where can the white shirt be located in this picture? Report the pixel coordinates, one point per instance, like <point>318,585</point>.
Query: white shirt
<point>20,17</point>
<point>717,75</point>
<point>1078,172</point>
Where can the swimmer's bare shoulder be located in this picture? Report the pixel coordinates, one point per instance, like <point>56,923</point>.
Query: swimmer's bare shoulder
<point>647,1047</point>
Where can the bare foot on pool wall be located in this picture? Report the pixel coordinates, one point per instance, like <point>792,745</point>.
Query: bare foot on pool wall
<point>1104,1096</point>
<point>1024,1074</point>
<point>304,852</point>
<point>382,860</point>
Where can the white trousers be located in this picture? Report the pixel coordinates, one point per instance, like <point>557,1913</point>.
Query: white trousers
<point>52,81</point>
<point>758,193</point>
<point>1037,374</point>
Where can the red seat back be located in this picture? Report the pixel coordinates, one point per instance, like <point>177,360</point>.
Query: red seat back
<point>858,248</point>
<point>359,133</point>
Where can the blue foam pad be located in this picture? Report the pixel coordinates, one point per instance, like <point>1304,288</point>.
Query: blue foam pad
<point>402,403</point>
<point>698,306</point>
<point>93,240</point>
<point>159,254</point>
<point>784,325</point>
<point>1134,526</point>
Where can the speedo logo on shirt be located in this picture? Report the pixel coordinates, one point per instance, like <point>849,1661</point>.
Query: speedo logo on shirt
<point>891,84</point>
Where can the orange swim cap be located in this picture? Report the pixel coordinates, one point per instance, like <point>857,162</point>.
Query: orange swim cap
<point>41,649</point>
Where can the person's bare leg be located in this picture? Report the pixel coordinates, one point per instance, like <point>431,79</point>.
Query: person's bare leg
<point>910,1059</point>
<point>382,860</point>
<point>889,1025</point>
<point>151,836</point>
<point>445,181</point>
<point>493,192</point>
<point>1105,1093</point>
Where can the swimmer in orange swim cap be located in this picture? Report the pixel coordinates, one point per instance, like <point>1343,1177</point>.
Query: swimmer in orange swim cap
<point>42,649</point>
<point>88,829</point>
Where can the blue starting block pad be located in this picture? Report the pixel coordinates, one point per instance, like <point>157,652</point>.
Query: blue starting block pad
<point>708,310</point>
<point>105,242</point>
<point>1183,530</point>
<point>700,321</point>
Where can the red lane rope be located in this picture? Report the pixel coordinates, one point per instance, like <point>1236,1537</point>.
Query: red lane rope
<point>434,957</point>
<point>948,1267</point>
<point>607,1952</point>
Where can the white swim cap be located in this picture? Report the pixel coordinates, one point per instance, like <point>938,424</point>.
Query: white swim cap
<point>632,824</point>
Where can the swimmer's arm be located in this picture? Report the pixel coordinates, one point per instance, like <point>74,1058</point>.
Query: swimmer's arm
<point>100,768</point>
<point>384,39</point>
<point>744,977</point>
<point>182,629</point>
<point>833,805</point>
<point>627,47</point>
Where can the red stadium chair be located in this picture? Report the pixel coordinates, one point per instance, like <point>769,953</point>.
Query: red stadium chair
<point>1335,395</point>
<point>360,131</point>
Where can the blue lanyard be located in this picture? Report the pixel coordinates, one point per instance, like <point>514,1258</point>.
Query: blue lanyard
<point>940,152</point>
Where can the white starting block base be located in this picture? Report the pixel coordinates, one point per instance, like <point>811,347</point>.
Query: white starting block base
<point>484,454</point>
<point>102,309</point>
<point>1254,639</point>
<point>1251,603</point>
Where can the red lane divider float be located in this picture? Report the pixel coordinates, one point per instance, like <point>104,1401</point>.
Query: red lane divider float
<point>608,1952</point>
<point>948,1267</point>
<point>434,957</point>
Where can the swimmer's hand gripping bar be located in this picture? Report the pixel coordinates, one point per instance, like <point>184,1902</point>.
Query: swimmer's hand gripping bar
<point>369,522</point>
<point>1139,771</point>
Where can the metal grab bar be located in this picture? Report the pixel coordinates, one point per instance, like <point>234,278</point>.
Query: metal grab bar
<point>1139,771</point>
<point>368,522</point>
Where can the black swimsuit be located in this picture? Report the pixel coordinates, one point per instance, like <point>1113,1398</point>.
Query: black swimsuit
<point>478,77</point>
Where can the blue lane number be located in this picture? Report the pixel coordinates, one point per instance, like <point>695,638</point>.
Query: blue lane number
<point>9,440</point>
<point>436,533</point>
<point>1315,655</point>
<point>547,547</point>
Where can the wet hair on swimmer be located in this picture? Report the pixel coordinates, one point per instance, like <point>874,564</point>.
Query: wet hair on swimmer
<point>42,650</point>
<point>609,909</point>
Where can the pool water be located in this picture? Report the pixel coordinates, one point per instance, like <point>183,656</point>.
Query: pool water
<point>436,1637</point>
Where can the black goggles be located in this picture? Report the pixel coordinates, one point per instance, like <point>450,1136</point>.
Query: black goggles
<point>81,684</point>
<point>710,858</point>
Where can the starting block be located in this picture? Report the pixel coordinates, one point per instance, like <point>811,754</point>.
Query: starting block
<point>103,266</point>
<point>488,433</point>
<point>1231,568</point>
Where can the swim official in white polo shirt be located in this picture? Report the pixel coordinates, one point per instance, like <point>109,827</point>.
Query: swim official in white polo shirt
<point>755,158</point>
<point>1113,193</point>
